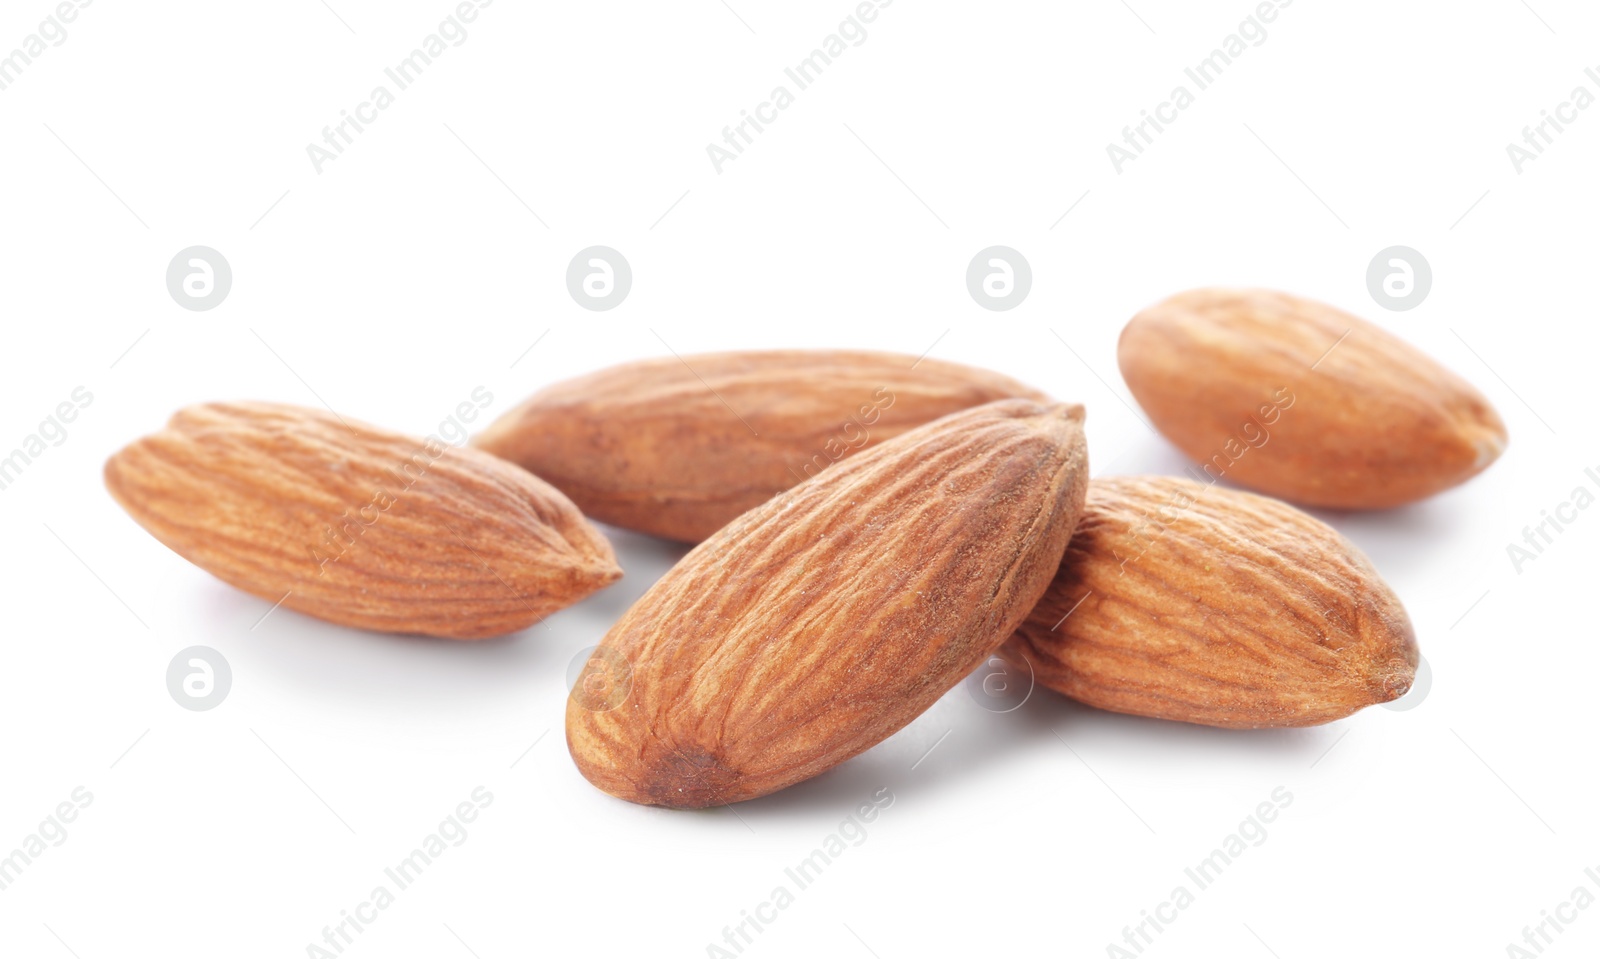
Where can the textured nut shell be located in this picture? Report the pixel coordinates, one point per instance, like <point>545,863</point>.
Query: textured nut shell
<point>679,447</point>
<point>469,547</point>
<point>1377,424</point>
<point>1241,612</point>
<point>824,620</point>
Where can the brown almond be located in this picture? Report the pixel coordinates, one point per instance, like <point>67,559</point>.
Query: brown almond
<point>357,525</point>
<point>1304,401</point>
<point>822,621</point>
<point>679,447</point>
<point>1182,601</point>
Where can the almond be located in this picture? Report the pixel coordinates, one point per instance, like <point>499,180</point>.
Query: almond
<point>827,618</point>
<point>357,525</point>
<point>1304,401</point>
<point>1182,601</point>
<point>679,447</point>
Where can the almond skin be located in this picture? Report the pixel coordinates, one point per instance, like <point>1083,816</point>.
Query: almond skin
<point>357,525</point>
<point>679,447</point>
<point>822,621</point>
<point>1227,376</point>
<point>1181,601</point>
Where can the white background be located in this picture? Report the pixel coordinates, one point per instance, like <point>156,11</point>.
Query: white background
<point>416,267</point>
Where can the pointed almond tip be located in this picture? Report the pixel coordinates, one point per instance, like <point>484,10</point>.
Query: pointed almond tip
<point>1055,409</point>
<point>1394,667</point>
<point>1392,680</point>
<point>1489,445</point>
<point>1047,412</point>
<point>605,574</point>
<point>596,574</point>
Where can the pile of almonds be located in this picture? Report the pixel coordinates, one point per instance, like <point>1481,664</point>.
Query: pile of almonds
<point>870,529</point>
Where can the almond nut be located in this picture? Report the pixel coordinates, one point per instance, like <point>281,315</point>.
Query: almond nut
<point>679,447</point>
<point>360,526</point>
<point>1303,401</point>
<point>822,621</point>
<point>1200,604</point>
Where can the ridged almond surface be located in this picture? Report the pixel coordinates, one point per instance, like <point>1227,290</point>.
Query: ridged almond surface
<point>357,525</point>
<point>1303,401</point>
<point>824,620</point>
<point>1182,601</point>
<point>679,447</point>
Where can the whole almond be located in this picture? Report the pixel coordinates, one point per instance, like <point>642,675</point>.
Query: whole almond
<point>822,621</point>
<point>357,525</point>
<point>1182,601</point>
<point>1303,401</point>
<point>679,447</point>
